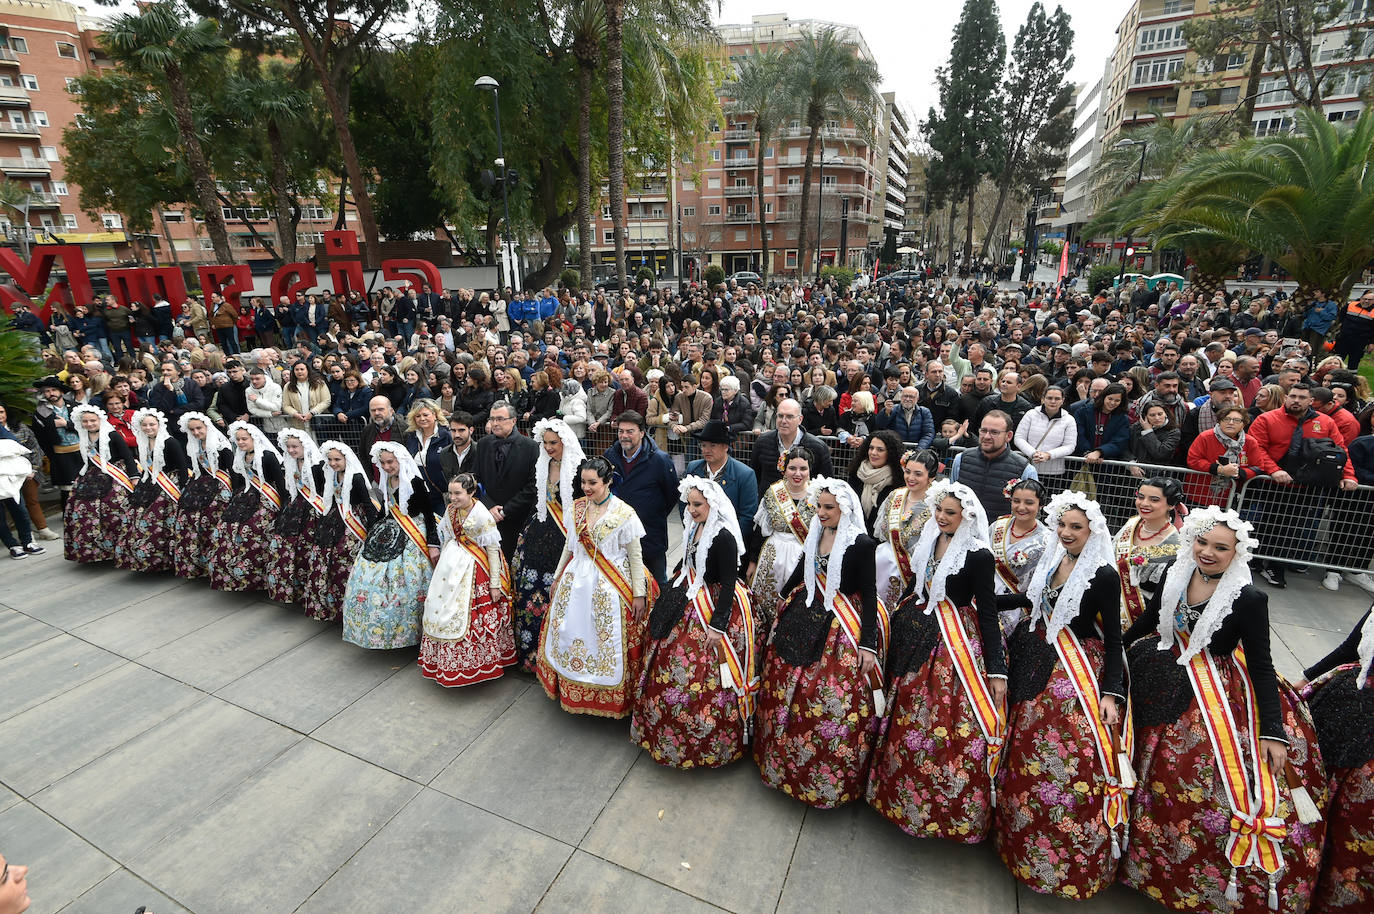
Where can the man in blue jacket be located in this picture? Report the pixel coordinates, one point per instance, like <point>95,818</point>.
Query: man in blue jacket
<point>909,419</point>
<point>646,481</point>
<point>736,479</point>
<point>1316,323</point>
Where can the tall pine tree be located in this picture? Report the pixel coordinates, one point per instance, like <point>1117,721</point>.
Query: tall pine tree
<point>968,127</point>
<point>1037,106</point>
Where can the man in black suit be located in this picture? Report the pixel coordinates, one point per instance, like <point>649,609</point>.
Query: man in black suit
<point>504,465</point>
<point>460,456</point>
<point>772,445</point>
<point>386,425</point>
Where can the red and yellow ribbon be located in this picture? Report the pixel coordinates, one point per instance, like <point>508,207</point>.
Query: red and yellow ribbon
<point>109,468</point>
<point>745,684</point>
<point>412,530</point>
<point>894,534</point>
<point>603,564</point>
<point>991,718</point>
<point>167,485</point>
<point>1080,674</point>
<point>268,491</point>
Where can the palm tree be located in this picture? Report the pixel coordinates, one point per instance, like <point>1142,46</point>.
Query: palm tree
<point>615,127</point>
<point>272,101</point>
<point>159,44</point>
<point>587,25</point>
<point>827,80</point>
<point>758,89</point>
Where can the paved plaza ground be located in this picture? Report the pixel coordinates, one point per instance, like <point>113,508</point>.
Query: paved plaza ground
<point>162,744</point>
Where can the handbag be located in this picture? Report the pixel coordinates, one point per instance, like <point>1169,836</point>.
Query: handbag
<point>1084,483</point>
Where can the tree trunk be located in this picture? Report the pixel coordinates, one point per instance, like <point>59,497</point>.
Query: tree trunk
<point>493,222</point>
<point>949,271</point>
<point>584,176</point>
<point>968,230</point>
<point>201,177</point>
<point>804,220</point>
<point>1003,189</point>
<point>758,190</point>
<point>1257,55</point>
<point>615,145</point>
<point>281,195</point>
<point>555,228</point>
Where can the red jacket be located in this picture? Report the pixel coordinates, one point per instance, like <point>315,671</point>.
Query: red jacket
<point>1202,456</point>
<point>1346,422</point>
<point>1273,431</point>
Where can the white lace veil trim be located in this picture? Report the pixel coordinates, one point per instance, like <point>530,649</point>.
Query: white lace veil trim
<point>971,535</point>
<point>261,445</point>
<point>352,467</point>
<point>311,458</point>
<point>405,474</point>
<point>846,532</point>
<point>103,444</point>
<point>1366,650</point>
<point>721,518</point>
<point>1097,552</point>
<point>151,451</point>
<point>1236,576</point>
<point>214,442</point>
<point>567,467</point>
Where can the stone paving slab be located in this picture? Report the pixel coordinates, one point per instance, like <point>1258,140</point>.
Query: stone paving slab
<point>123,893</point>
<point>215,655</point>
<point>61,865</point>
<point>590,885</point>
<point>49,670</point>
<point>18,631</point>
<point>161,619</point>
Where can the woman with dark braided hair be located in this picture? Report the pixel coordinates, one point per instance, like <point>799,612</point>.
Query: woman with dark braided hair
<point>1146,542</point>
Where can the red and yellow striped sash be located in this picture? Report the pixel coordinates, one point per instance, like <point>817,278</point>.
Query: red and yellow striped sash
<point>991,718</point>
<point>556,512</point>
<point>313,500</point>
<point>479,555</point>
<point>851,623</point>
<point>352,522</point>
<point>110,469</point>
<point>999,561</point>
<point>1080,673</point>
<point>603,564</point>
<point>1256,832</point>
<point>788,507</point>
<point>1132,603</point>
<point>268,491</point>
<point>894,534</point>
<point>412,530</point>
<point>743,681</point>
<point>225,480</point>
<point>167,485</point>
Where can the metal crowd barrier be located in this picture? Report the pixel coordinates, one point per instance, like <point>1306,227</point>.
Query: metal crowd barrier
<point>1113,484</point>
<point>1319,526</point>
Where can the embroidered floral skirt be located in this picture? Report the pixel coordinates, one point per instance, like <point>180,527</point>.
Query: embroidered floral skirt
<point>1048,823</point>
<point>150,534</point>
<point>816,726</point>
<point>1344,717</point>
<point>385,595</point>
<point>1180,816</point>
<point>683,715</point>
<point>327,567</point>
<point>930,767</point>
<point>582,697</point>
<point>95,518</point>
<point>202,501</point>
<point>288,552</point>
<point>481,654</point>
<point>532,578</point>
<point>239,553</point>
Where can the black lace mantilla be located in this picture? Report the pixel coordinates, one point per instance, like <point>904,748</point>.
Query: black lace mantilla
<point>200,493</point>
<point>1344,715</point>
<point>92,485</point>
<point>293,518</point>
<point>667,611</point>
<point>915,636</point>
<point>1160,691</point>
<point>242,506</point>
<point>385,541</point>
<point>1030,662</point>
<point>144,494</point>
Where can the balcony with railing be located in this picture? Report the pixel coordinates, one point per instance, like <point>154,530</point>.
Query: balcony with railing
<point>18,129</point>
<point>7,56</point>
<point>737,134</point>
<point>739,217</point>
<point>14,95</point>
<point>741,162</point>
<point>789,190</point>
<point>40,199</point>
<point>739,191</point>
<point>24,166</point>
<point>840,133</point>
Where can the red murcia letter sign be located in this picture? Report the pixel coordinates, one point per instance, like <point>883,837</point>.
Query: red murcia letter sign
<point>32,278</point>
<point>148,284</point>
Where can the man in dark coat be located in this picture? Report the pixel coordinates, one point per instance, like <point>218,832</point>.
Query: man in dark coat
<point>175,396</point>
<point>504,465</point>
<point>735,478</point>
<point>772,445</point>
<point>646,481</point>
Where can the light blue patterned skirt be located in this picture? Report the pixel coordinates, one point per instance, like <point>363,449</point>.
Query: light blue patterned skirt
<point>385,595</point>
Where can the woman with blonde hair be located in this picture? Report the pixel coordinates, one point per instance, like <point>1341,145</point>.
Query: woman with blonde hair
<point>1268,397</point>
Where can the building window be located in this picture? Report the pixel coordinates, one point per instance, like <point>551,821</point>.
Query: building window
<point>71,83</point>
<point>245,241</point>
<point>1157,70</point>
<point>66,49</point>
<point>715,155</point>
<point>713,209</point>
<point>768,209</point>
<point>713,183</point>
<point>1230,95</point>
<point>768,233</point>
<point>608,236</point>
<point>112,221</point>
<point>59,188</point>
<point>689,211</point>
<point>50,153</point>
<point>790,259</point>
<point>206,244</point>
<point>19,45</point>
<point>741,235</point>
<point>314,213</point>
<point>39,118</point>
<point>173,215</point>
<point>767,180</point>
<point>310,238</point>
<point>29,81</point>
<point>6,81</point>
<point>244,213</point>
<point>69,221</point>
<point>741,182</point>
<point>689,185</point>
<point>1235,61</point>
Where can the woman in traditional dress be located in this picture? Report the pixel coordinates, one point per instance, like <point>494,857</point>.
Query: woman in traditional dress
<point>385,594</point>
<point>541,543</point>
<point>817,719</point>
<point>1146,542</point>
<point>288,549</point>
<point>591,648</point>
<point>1061,805</point>
<point>1340,695</point>
<point>779,534</point>
<point>467,635</point>
<point>204,496</point>
<point>1212,825</point>
<point>899,522</point>
<point>95,517</point>
<point>695,699</point>
<point>1018,541</point>
<point>339,534</point>
<point>150,542</point>
<point>938,750</point>
<point>239,556</point>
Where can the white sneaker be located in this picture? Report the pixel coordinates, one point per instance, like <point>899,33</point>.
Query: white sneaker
<point>47,533</point>
<point>1362,580</point>
<point>1332,581</point>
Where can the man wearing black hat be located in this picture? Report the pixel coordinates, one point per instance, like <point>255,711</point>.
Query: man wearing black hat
<point>1221,392</point>
<point>738,480</point>
<point>56,434</point>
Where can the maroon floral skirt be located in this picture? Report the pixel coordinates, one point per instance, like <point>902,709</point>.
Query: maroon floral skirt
<point>288,552</point>
<point>95,518</point>
<point>683,716</point>
<point>1180,816</point>
<point>1345,727</point>
<point>480,655</point>
<point>1048,824</point>
<point>202,501</point>
<point>929,771</point>
<point>150,540</point>
<point>816,726</point>
<point>239,553</point>
<point>326,569</point>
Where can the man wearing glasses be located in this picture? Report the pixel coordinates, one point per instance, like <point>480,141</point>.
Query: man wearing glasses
<point>1357,331</point>
<point>995,463</point>
<point>504,465</point>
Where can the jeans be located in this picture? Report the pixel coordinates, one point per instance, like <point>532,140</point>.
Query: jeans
<point>228,339</point>
<point>103,345</point>
<point>407,329</point>
<point>21,524</point>
<point>120,345</point>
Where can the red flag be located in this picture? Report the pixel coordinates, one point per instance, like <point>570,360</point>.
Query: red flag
<point>1063,262</point>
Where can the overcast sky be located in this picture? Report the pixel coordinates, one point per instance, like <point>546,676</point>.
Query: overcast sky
<point>909,40</point>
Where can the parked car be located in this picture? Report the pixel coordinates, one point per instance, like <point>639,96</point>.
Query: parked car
<point>903,276</point>
<point>744,277</point>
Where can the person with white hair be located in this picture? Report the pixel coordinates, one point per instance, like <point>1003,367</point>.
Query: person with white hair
<point>936,761</point>
<point>150,541</point>
<point>694,707</point>
<point>238,547</point>
<point>210,457</point>
<point>385,594</point>
<point>1067,703</point>
<point>817,710</point>
<point>294,527</point>
<point>1226,752</point>
<point>95,516</point>
<point>348,513</point>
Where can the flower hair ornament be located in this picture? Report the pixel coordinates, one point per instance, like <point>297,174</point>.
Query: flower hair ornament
<point>352,466</point>
<point>151,451</point>
<point>309,458</point>
<point>971,536</point>
<point>850,527</point>
<point>721,519</point>
<point>212,445</point>
<point>567,467</point>
<point>1236,576</point>
<point>1097,552</point>
<point>1011,484</point>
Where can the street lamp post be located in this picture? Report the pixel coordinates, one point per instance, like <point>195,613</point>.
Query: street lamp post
<point>1127,143</point>
<point>487,84</point>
